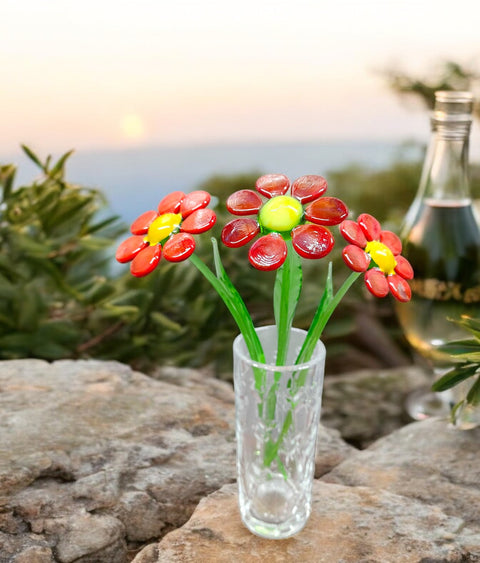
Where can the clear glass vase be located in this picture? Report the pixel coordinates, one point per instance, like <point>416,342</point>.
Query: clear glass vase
<point>277,416</point>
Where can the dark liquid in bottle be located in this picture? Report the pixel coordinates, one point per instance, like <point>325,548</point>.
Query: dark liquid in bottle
<point>444,249</point>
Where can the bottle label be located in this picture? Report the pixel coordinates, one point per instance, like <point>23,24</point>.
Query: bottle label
<point>438,290</point>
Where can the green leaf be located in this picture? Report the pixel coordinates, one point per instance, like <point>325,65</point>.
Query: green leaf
<point>90,229</point>
<point>454,377</point>
<point>163,321</point>
<point>58,167</point>
<point>99,290</point>
<point>473,396</point>
<point>461,347</point>
<point>32,156</point>
<point>7,176</point>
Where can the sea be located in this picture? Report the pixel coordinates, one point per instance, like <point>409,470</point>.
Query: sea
<point>135,179</point>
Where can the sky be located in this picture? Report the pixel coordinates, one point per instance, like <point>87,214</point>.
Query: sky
<point>117,74</point>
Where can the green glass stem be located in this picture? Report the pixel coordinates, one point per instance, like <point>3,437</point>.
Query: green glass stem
<point>235,304</point>
<point>237,308</point>
<point>327,306</point>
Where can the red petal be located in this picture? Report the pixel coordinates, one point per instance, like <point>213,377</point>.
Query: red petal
<point>179,247</point>
<point>310,187</point>
<point>399,288</point>
<point>199,221</point>
<point>146,261</point>
<point>268,252</point>
<point>244,202</point>
<point>129,248</point>
<point>326,211</point>
<point>141,224</point>
<point>352,232</point>
<point>239,232</point>
<point>392,241</point>
<point>171,203</point>
<point>271,185</point>
<point>370,226</point>
<point>193,201</point>
<point>312,241</point>
<point>355,258</point>
<point>403,268</point>
<point>376,283</point>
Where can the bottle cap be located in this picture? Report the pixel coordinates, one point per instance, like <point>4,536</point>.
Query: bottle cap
<point>453,106</point>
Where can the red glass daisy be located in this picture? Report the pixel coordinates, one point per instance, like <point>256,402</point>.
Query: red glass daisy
<point>167,230</point>
<point>368,243</point>
<point>281,217</point>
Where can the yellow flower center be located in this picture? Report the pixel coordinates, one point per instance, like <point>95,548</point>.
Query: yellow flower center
<point>382,256</point>
<point>163,227</point>
<point>281,213</point>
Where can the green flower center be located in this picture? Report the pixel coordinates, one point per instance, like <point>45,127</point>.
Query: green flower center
<point>382,256</point>
<point>163,227</point>
<point>281,213</point>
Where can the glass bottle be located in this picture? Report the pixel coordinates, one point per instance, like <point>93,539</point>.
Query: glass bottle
<point>441,239</point>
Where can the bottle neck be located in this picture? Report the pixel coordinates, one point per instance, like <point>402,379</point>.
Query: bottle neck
<point>445,177</point>
<point>445,171</point>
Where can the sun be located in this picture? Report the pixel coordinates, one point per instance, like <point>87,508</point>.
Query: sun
<point>133,127</point>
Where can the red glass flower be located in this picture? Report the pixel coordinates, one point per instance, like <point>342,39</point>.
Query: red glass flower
<point>369,243</point>
<point>281,217</point>
<point>167,230</point>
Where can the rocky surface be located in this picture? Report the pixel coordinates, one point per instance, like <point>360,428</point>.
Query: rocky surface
<point>413,496</point>
<point>97,460</point>
<point>367,404</point>
<point>101,464</point>
<point>430,461</point>
<point>347,525</point>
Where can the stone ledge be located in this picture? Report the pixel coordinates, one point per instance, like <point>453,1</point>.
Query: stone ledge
<point>97,460</point>
<point>348,525</point>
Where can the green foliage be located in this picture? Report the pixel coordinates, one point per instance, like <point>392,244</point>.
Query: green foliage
<point>53,263</point>
<point>60,299</point>
<point>466,355</point>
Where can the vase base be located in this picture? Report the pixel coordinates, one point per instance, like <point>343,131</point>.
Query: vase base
<point>275,511</point>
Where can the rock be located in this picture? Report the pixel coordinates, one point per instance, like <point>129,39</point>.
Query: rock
<point>331,450</point>
<point>348,525</point>
<point>95,457</point>
<point>368,404</point>
<point>430,461</point>
<point>97,460</point>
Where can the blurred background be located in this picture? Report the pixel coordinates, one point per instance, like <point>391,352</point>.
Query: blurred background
<point>154,97</point>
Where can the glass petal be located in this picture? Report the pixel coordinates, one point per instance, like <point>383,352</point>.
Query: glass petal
<point>146,261</point>
<point>193,201</point>
<point>370,226</point>
<point>271,185</point>
<point>310,187</point>
<point>403,268</point>
<point>312,241</point>
<point>399,288</point>
<point>171,203</point>
<point>239,232</point>
<point>244,202</point>
<point>355,258</point>
<point>179,247</point>
<point>352,232</point>
<point>268,252</point>
<point>376,282</point>
<point>199,221</point>
<point>326,211</point>
<point>129,248</point>
<point>141,224</point>
<point>392,241</point>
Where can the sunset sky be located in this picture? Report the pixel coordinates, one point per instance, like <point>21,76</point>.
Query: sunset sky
<point>97,74</point>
